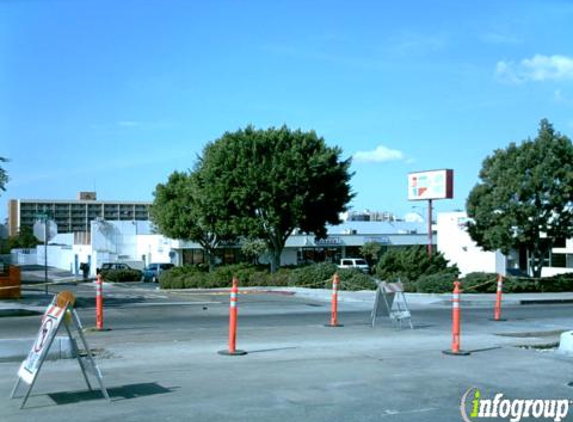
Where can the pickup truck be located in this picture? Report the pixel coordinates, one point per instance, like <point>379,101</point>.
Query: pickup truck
<point>357,263</point>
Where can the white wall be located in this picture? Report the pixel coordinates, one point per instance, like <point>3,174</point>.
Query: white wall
<point>24,256</point>
<point>458,248</point>
<point>155,248</point>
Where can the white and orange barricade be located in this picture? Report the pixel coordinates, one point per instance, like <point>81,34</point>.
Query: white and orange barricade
<point>334,302</point>
<point>233,313</point>
<point>456,323</point>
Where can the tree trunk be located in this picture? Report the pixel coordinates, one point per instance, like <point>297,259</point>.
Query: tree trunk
<point>211,259</point>
<point>536,263</point>
<point>275,260</point>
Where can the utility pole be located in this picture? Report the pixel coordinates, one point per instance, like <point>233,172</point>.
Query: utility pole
<point>46,253</point>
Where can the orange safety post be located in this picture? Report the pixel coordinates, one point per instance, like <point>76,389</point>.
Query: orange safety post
<point>99,303</point>
<point>334,308</point>
<point>456,322</point>
<point>498,297</point>
<point>233,322</point>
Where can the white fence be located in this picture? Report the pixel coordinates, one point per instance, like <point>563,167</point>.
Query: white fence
<point>24,257</point>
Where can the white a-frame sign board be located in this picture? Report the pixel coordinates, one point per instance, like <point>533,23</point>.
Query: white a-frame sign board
<point>60,312</point>
<point>390,301</point>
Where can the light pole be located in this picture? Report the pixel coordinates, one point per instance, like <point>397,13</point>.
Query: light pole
<point>430,233</point>
<point>429,216</point>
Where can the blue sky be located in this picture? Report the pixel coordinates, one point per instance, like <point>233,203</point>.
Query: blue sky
<point>115,95</point>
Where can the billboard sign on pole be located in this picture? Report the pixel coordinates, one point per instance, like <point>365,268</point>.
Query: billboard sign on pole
<point>433,184</point>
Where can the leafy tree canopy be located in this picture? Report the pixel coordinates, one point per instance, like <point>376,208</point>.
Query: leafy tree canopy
<point>25,239</point>
<point>525,196</point>
<point>269,182</point>
<point>3,175</point>
<point>253,249</point>
<point>179,211</point>
<point>371,251</point>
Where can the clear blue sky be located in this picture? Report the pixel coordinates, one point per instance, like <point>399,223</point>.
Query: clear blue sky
<point>115,95</point>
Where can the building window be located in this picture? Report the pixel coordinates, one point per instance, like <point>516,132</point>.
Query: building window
<point>559,260</point>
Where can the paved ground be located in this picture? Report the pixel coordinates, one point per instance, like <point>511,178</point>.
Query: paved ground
<point>160,359</point>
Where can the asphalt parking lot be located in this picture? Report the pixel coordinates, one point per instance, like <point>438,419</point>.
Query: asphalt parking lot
<point>160,362</point>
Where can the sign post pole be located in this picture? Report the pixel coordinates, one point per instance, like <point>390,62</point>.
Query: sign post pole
<point>45,219</point>
<point>430,234</point>
<point>44,230</point>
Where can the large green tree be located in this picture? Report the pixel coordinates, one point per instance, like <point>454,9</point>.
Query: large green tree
<point>3,175</point>
<point>371,252</point>
<point>524,199</point>
<point>25,239</point>
<point>269,182</point>
<point>181,210</point>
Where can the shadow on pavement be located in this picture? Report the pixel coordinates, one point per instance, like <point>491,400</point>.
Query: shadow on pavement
<point>126,392</point>
<point>276,349</point>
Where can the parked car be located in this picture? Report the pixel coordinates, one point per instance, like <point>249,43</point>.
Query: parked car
<point>119,271</point>
<point>358,263</point>
<point>114,266</point>
<point>152,271</point>
<point>517,272</point>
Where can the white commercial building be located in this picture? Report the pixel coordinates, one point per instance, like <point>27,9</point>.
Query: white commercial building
<point>131,242</point>
<point>134,243</point>
<point>458,248</point>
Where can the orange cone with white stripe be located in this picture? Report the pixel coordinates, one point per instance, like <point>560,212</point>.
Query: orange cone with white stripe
<point>99,303</point>
<point>232,351</point>
<point>498,298</point>
<point>456,323</point>
<point>334,307</point>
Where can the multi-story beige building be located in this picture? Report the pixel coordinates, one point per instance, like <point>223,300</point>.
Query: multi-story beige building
<point>73,216</point>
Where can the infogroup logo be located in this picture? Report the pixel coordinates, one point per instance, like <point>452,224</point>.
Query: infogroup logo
<point>475,407</point>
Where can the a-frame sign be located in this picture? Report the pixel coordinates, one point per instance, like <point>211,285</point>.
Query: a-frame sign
<point>390,301</point>
<point>60,312</point>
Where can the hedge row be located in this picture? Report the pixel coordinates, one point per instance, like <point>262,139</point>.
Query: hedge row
<point>314,276</point>
<point>320,276</point>
<point>487,283</point>
<point>121,275</point>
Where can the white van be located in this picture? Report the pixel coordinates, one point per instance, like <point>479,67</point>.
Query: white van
<point>358,263</point>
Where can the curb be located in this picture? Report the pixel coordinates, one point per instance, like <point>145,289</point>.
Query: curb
<point>544,301</point>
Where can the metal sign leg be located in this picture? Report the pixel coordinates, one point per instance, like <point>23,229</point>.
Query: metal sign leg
<point>89,355</point>
<point>15,388</point>
<point>78,357</point>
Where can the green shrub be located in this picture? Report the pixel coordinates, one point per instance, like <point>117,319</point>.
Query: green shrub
<point>519,285</point>
<point>178,283</point>
<point>557,283</point>
<point>167,279</point>
<point>435,283</point>
<point>223,276</point>
<point>479,282</point>
<point>121,275</point>
<point>283,277</point>
<point>410,263</point>
<point>316,275</point>
<point>320,276</point>
<point>354,280</point>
